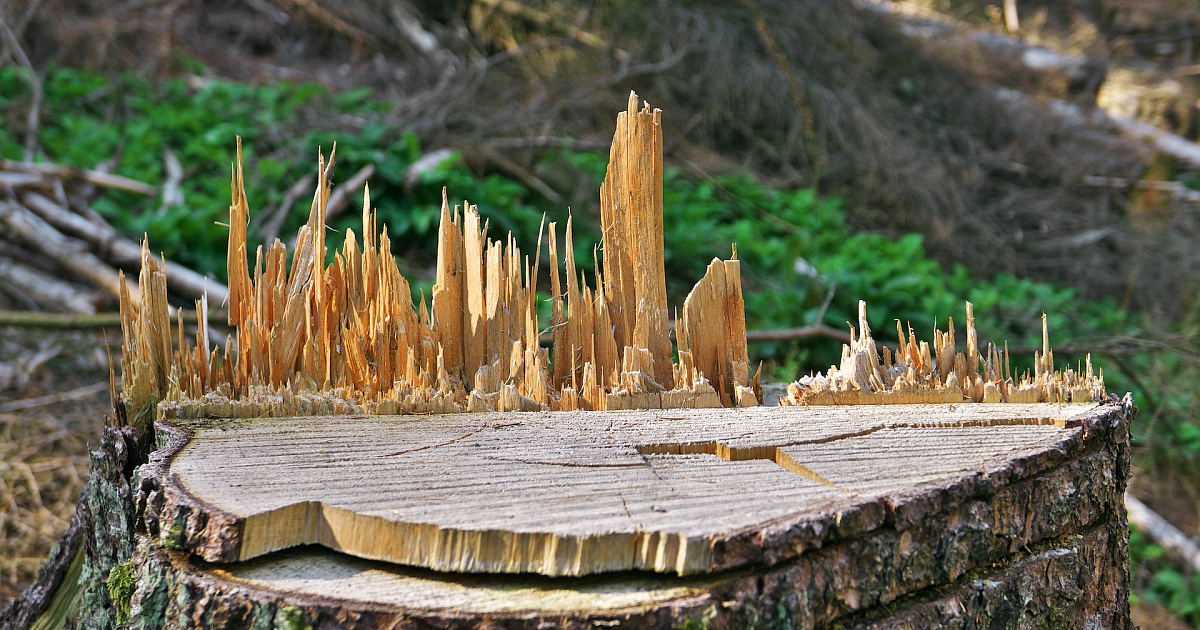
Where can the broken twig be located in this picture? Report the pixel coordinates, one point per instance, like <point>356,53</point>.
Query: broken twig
<point>70,321</point>
<point>1162,532</point>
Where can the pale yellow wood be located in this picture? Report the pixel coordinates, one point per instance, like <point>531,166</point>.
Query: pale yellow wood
<point>347,335</point>
<point>714,334</point>
<point>572,493</point>
<point>913,375</point>
<point>327,575</point>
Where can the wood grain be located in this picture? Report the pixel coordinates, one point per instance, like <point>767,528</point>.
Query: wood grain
<point>1035,538</point>
<point>679,491</point>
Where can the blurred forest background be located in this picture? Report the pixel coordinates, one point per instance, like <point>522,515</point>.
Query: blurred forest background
<point>1027,155</point>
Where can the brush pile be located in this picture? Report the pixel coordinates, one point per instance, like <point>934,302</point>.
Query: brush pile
<point>57,254</point>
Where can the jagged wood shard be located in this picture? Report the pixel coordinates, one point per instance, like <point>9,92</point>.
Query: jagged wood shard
<point>916,374</point>
<point>349,330</point>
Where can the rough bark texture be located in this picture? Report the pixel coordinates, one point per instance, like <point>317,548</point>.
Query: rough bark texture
<point>1043,545</point>
<point>108,522</point>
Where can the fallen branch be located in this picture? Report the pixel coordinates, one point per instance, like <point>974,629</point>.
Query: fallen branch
<point>121,251</point>
<point>1175,146</point>
<point>273,219</point>
<point>425,164</point>
<point>339,200</point>
<point>925,24</point>
<point>44,290</point>
<point>79,393</point>
<point>542,18</point>
<point>337,24</point>
<point>529,179</point>
<point>172,188</point>
<point>94,177</point>
<point>70,253</point>
<point>817,331</point>
<point>1178,189</point>
<point>1162,532</point>
<point>68,321</point>
<point>548,141</point>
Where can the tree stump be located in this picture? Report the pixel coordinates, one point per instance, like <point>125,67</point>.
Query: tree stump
<point>349,459</point>
<point>901,516</point>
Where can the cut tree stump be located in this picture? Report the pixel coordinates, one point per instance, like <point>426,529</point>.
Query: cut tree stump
<point>349,458</point>
<point>903,516</point>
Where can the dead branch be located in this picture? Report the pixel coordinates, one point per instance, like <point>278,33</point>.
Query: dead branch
<point>521,173</point>
<point>1173,145</point>
<point>1178,189</point>
<point>339,201</point>
<point>816,331</point>
<point>425,164</point>
<point>548,141</point>
<point>410,27</point>
<point>45,290</point>
<point>121,251</point>
<point>542,18</point>
<point>90,321</point>
<point>14,180</point>
<point>1162,532</point>
<point>68,252</point>
<point>18,53</point>
<point>79,393</point>
<point>273,219</point>
<point>337,24</point>
<point>94,177</point>
<point>16,374</point>
<point>930,25</point>
<point>172,191</point>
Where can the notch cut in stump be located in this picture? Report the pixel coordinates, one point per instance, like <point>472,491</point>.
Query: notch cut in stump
<point>873,517</point>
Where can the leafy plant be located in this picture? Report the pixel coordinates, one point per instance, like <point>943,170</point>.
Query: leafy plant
<point>1158,580</point>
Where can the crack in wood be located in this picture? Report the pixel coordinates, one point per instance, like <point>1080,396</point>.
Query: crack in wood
<point>729,453</point>
<point>776,455</point>
<point>454,441</point>
<point>564,464</point>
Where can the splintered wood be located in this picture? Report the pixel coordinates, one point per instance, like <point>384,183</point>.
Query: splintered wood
<point>917,374</point>
<point>347,337</point>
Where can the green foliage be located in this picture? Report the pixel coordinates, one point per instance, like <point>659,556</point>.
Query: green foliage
<point>1158,581</point>
<point>88,119</point>
<point>796,247</point>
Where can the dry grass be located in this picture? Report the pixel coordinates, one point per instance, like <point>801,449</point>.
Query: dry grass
<point>43,449</point>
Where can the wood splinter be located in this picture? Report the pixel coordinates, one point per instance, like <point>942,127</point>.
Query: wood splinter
<point>918,375</point>
<point>347,336</point>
